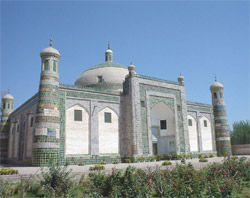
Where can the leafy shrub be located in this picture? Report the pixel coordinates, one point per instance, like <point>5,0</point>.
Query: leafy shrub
<point>183,161</point>
<point>234,157</point>
<point>8,171</point>
<point>115,162</point>
<point>166,163</point>
<point>57,178</point>
<point>205,156</point>
<point>150,158</point>
<point>103,162</point>
<point>158,157</point>
<point>127,160</point>
<point>200,156</point>
<point>203,160</point>
<point>81,164</point>
<point>211,155</point>
<point>96,167</point>
<point>141,158</point>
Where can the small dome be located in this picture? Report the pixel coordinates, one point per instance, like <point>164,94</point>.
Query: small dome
<point>216,85</point>
<point>109,51</point>
<point>181,78</point>
<point>8,97</point>
<point>49,51</point>
<point>131,67</point>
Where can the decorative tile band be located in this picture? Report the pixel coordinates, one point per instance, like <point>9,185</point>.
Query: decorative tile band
<point>51,119</point>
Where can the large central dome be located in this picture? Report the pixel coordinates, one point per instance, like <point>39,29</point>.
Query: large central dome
<point>104,75</point>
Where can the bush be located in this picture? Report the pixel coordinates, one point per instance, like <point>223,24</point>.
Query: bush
<point>183,161</point>
<point>150,158</point>
<point>57,178</point>
<point>8,171</point>
<point>158,157</point>
<point>200,156</point>
<point>234,157</point>
<point>203,160</point>
<point>115,162</point>
<point>211,155</point>
<point>127,160</point>
<point>103,162</point>
<point>205,156</point>
<point>141,158</point>
<point>81,164</point>
<point>96,167</point>
<point>166,163</point>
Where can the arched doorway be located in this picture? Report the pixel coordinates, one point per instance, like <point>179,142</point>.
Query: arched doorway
<point>163,129</point>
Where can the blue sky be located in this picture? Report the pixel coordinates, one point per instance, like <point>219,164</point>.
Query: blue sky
<point>162,38</point>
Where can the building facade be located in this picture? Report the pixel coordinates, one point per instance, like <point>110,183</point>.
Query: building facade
<point>110,113</point>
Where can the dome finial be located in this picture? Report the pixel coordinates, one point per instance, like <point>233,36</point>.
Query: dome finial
<point>215,78</point>
<point>108,45</point>
<point>50,44</point>
<point>8,91</point>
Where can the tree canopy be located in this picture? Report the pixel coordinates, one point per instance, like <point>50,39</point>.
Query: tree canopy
<point>241,133</point>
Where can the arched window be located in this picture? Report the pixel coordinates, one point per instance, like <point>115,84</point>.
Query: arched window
<point>4,105</point>
<point>17,128</point>
<point>54,66</point>
<point>31,122</point>
<point>46,65</point>
<point>215,95</point>
<point>221,94</point>
<point>8,105</point>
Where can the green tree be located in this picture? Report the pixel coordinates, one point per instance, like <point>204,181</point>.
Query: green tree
<point>241,133</point>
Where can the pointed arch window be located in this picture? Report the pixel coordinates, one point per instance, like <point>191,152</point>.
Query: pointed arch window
<point>8,105</point>
<point>46,65</point>
<point>215,95</point>
<point>4,105</point>
<point>221,94</point>
<point>31,122</point>
<point>54,66</point>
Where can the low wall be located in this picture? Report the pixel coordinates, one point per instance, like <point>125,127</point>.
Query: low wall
<point>243,149</point>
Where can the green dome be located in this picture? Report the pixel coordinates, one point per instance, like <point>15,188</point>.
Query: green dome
<point>107,64</point>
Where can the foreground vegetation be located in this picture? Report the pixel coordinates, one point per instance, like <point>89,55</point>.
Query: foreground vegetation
<point>230,179</point>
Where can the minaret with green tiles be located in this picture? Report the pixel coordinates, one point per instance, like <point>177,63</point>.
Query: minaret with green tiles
<point>6,110</point>
<point>47,122</point>
<point>222,130</point>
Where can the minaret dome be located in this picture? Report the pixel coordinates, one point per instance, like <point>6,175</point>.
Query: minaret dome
<point>109,54</point>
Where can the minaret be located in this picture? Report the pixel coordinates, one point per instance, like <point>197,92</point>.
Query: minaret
<point>222,131</point>
<point>109,54</point>
<point>47,122</point>
<point>6,109</point>
<point>181,80</point>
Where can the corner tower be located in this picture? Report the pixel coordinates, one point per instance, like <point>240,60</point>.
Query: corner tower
<point>47,122</point>
<point>6,109</point>
<point>222,131</point>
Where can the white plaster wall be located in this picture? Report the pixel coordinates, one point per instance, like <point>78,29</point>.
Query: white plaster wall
<point>162,112</point>
<point>206,135</point>
<point>193,136</point>
<point>108,132</point>
<point>77,132</point>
